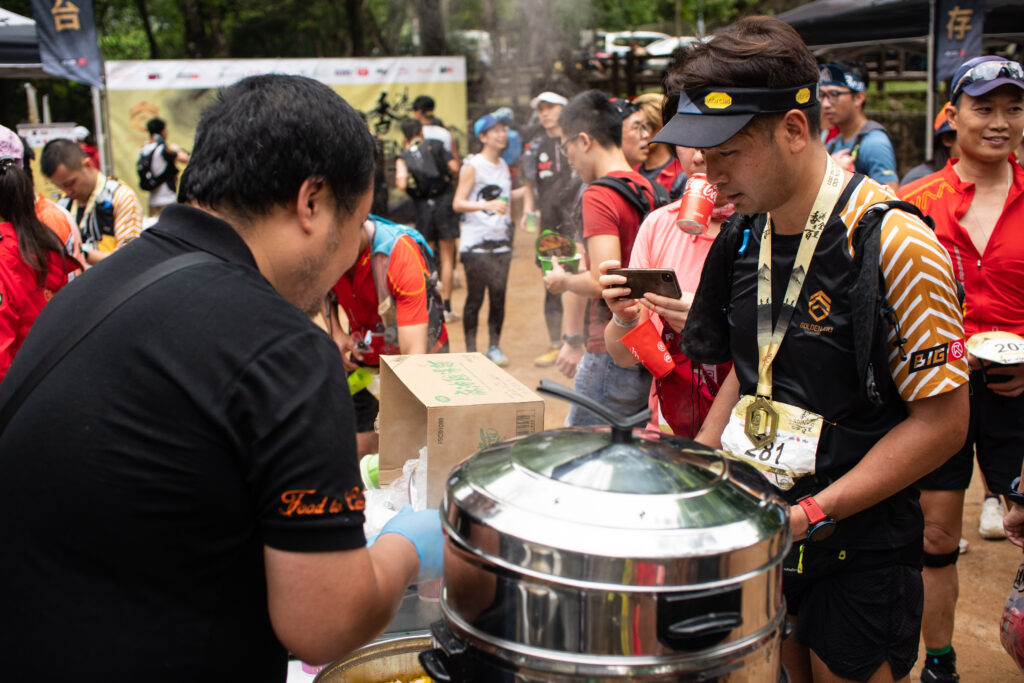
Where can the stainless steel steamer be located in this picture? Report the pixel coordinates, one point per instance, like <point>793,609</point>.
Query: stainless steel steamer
<point>607,555</point>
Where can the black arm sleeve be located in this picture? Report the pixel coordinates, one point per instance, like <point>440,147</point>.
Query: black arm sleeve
<point>706,334</point>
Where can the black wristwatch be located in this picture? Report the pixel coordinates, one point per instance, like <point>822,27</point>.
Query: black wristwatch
<point>1015,496</point>
<point>574,339</point>
<point>821,525</point>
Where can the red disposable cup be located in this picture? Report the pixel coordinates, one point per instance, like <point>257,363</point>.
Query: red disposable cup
<point>647,346</point>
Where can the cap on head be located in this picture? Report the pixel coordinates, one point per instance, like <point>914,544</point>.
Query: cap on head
<point>941,122</point>
<point>981,75</point>
<point>423,103</point>
<point>625,108</point>
<point>10,145</point>
<point>837,76</point>
<point>549,97</point>
<point>709,116</point>
<point>503,114</point>
<point>484,124</point>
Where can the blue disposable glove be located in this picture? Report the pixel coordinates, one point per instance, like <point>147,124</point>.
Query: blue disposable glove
<point>423,529</point>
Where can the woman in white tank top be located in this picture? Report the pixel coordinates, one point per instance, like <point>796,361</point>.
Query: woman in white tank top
<point>483,196</point>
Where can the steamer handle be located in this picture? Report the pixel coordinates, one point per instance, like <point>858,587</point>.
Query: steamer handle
<point>622,427</point>
<point>433,662</point>
<point>709,624</point>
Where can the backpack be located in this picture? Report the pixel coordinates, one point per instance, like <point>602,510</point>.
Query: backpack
<point>868,127</point>
<point>871,312</point>
<point>422,160</point>
<point>634,194</point>
<point>144,166</point>
<point>100,221</point>
<point>385,235</point>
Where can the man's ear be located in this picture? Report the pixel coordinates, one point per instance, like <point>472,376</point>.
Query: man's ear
<point>951,115</point>
<point>310,201</point>
<point>795,130</point>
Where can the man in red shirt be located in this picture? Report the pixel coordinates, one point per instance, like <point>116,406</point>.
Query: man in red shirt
<point>393,318</point>
<point>977,203</point>
<point>592,140</point>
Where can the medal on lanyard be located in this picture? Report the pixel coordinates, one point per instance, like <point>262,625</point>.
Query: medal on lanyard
<point>762,418</point>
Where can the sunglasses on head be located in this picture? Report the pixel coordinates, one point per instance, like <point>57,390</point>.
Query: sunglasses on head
<point>989,71</point>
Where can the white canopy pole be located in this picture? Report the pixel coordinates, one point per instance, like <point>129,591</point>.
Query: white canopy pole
<point>101,135</point>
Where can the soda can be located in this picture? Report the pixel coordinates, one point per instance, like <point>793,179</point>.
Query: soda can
<point>697,204</point>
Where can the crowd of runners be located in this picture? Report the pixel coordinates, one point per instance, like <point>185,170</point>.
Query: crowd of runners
<point>834,326</point>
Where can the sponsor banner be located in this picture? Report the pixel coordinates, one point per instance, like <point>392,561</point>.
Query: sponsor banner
<point>67,40</point>
<point>384,95</point>
<point>960,24</point>
<point>216,73</point>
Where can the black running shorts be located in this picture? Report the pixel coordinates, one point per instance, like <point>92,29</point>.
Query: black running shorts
<point>855,620</point>
<point>996,433</point>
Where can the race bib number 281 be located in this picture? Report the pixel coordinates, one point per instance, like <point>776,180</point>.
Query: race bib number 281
<point>792,455</point>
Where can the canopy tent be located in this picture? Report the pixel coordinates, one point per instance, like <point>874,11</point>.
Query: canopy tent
<point>834,23</point>
<point>19,47</point>
<point>19,58</point>
<point>854,27</point>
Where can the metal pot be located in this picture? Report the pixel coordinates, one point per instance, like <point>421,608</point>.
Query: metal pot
<point>609,554</point>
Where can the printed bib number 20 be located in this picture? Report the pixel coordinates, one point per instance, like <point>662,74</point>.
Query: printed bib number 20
<point>792,455</point>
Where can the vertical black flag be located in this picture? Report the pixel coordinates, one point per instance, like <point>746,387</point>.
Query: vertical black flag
<point>958,29</point>
<point>67,39</point>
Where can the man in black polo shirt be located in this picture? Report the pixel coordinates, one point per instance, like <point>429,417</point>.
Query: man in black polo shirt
<point>182,494</point>
<point>780,296</point>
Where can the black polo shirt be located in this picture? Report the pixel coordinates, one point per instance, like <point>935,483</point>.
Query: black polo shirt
<point>204,419</point>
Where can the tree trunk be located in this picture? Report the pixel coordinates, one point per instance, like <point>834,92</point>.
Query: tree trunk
<point>154,51</point>
<point>354,18</point>
<point>432,27</point>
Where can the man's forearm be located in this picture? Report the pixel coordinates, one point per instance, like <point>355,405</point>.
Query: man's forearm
<point>934,430</point>
<point>584,285</point>
<point>573,309</point>
<point>710,433</point>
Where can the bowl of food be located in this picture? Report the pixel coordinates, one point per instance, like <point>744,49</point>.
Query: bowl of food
<point>387,661</point>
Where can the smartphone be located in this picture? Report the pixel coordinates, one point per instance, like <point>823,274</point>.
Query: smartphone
<point>642,280</point>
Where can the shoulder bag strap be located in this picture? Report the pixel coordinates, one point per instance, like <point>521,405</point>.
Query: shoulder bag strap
<point>89,323</point>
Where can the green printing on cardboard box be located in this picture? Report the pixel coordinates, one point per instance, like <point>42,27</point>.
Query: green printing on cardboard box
<point>456,378</point>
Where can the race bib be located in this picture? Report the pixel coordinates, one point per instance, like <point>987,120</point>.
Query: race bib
<point>792,455</point>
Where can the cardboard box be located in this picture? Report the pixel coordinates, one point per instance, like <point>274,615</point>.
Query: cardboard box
<point>455,404</point>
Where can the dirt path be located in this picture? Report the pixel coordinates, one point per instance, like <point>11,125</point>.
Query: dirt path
<point>986,571</point>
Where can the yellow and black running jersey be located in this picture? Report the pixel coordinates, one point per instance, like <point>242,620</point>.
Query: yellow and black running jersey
<point>816,368</point>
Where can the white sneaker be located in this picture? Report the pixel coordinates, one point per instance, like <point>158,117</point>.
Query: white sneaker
<point>501,360</point>
<point>991,524</point>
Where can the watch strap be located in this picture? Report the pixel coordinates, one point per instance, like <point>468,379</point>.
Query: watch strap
<point>814,512</point>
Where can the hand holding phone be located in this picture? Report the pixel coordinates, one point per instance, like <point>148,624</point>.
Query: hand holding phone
<point>661,281</point>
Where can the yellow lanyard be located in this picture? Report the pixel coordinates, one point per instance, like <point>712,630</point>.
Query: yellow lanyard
<point>769,340</point>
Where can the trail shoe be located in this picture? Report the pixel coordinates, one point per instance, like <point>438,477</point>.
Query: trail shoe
<point>548,358</point>
<point>497,357</point>
<point>940,668</point>
<point>990,525</point>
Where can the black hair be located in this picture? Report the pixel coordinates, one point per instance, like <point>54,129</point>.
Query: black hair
<point>411,129</point>
<point>18,206</point>
<point>60,153</point>
<point>423,103</point>
<point>591,112</point>
<point>155,126</point>
<point>755,52</point>
<point>27,159</point>
<point>266,135</point>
